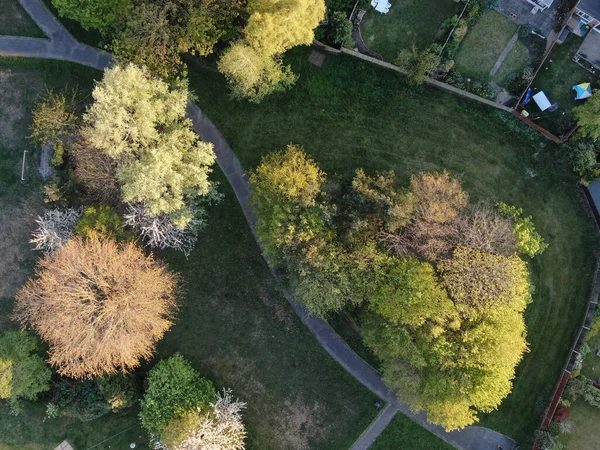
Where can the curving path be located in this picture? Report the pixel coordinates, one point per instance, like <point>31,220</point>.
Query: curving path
<point>61,45</point>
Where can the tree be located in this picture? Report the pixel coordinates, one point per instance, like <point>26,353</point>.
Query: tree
<point>483,280</point>
<point>102,220</point>
<point>221,428</point>
<point>53,119</point>
<point>174,388</point>
<point>529,241</point>
<point>23,372</point>
<point>588,118</point>
<point>141,124</point>
<point>98,14</point>
<point>482,228</point>
<point>156,34</point>
<point>55,228</point>
<point>340,29</point>
<point>253,64</point>
<point>100,305</point>
<point>416,64</point>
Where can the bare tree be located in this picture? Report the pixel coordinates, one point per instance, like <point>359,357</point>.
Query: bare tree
<point>160,232</point>
<point>482,228</point>
<point>55,228</point>
<point>101,306</point>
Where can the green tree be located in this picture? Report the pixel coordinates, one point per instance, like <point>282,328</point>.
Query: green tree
<point>174,388</point>
<point>23,372</point>
<point>155,34</point>
<point>416,64</point>
<point>588,118</point>
<point>340,29</point>
<point>98,14</point>
<point>253,64</point>
<point>529,241</point>
<point>54,118</point>
<point>141,123</point>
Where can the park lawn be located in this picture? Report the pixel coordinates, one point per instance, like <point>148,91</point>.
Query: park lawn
<point>14,21</point>
<point>585,435</point>
<point>515,61</point>
<point>402,434</point>
<point>408,22</point>
<point>233,325</point>
<point>350,114</point>
<point>483,44</point>
<point>556,78</point>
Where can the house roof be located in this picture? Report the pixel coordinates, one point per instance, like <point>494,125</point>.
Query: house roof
<point>590,7</point>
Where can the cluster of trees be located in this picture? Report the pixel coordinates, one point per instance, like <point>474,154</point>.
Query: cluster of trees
<point>583,150</point>
<point>156,33</point>
<point>440,281</point>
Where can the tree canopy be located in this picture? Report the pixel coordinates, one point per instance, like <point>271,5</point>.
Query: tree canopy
<point>23,372</point>
<point>588,118</point>
<point>98,14</point>
<point>141,125</point>
<point>101,306</point>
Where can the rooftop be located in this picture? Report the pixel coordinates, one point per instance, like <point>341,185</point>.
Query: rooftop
<point>590,7</point>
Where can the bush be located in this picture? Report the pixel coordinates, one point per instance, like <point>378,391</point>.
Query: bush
<point>529,241</point>
<point>102,220</point>
<point>58,156</point>
<point>340,29</point>
<point>173,389</point>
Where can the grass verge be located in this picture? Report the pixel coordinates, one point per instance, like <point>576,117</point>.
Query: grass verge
<point>14,21</point>
<point>401,433</point>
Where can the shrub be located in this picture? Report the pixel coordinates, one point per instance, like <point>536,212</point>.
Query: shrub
<point>55,228</point>
<point>101,306</point>
<point>340,29</point>
<point>173,389</point>
<point>99,14</point>
<point>102,220</point>
<point>529,241</point>
<point>58,156</point>
<point>561,413</point>
<point>53,119</point>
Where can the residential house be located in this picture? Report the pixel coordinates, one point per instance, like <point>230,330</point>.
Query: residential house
<point>588,12</point>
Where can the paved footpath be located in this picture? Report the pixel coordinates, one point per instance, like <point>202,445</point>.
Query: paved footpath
<point>61,45</point>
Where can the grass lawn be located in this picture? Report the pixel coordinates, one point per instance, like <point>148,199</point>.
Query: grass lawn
<point>585,419</point>
<point>233,324</point>
<point>408,22</point>
<point>556,79</point>
<point>515,61</point>
<point>402,434</point>
<point>350,114</point>
<point>14,21</point>
<point>483,44</point>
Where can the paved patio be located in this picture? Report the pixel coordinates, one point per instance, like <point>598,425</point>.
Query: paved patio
<point>590,48</point>
<point>64,445</point>
<point>520,11</point>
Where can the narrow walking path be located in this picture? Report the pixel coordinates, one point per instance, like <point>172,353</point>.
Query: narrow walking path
<point>505,53</point>
<point>63,46</point>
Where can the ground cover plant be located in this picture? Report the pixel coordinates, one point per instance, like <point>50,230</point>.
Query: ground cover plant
<point>342,130</point>
<point>556,78</point>
<point>408,23</point>
<point>16,22</point>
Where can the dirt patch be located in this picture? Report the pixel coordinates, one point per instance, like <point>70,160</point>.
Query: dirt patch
<point>17,91</point>
<point>16,223</point>
<point>300,423</point>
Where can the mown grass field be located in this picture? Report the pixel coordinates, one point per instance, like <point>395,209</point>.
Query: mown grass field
<point>14,21</point>
<point>401,433</point>
<point>349,114</point>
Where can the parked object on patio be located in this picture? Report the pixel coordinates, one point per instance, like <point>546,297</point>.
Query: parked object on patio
<point>583,90</point>
<point>542,101</point>
<point>382,6</point>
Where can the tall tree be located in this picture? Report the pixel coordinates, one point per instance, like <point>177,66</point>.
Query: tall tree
<point>101,306</point>
<point>139,122</point>
<point>253,64</point>
<point>588,118</point>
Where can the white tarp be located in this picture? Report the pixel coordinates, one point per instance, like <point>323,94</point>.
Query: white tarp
<point>382,6</point>
<point>542,101</point>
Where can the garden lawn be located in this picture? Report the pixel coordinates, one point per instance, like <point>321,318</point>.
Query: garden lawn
<point>408,22</point>
<point>350,114</point>
<point>14,21</point>
<point>483,44</point>
<point>515,61</point>
<point>585,435</point>
<point>402,434</point>
<point>556,78</point>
